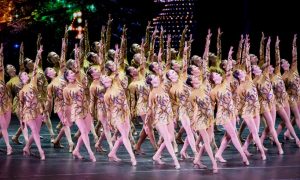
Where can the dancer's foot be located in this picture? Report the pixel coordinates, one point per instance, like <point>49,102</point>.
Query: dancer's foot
<point>177,165</point>
<point>16,140</point>
<point>133,161</point>
<point>280,151</point>
<point>26,151</point>
<point>9,150</point>
<point>52,138</point>
<point>248,154</point>
<point>71,147</point>
<point>92,158</point>
<point>100,149</point>
<point>42,156</point>
<point>199,165</point>
<point>139,152</point>
<point>113,158</point>
<point>77,155</point>
<point>57,145</point>
<point>287,136</point>
<point>246,162</point>
<point>220,158</point>
<point>157,160</point>
<point>184,155</point>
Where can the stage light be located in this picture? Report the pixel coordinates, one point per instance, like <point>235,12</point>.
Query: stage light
<point>79,28</point>
<point>79,14</point>
<point>79,20</point>
<point>16,46</point>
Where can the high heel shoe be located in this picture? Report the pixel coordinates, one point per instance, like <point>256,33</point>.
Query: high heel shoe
<point>133,161</point>
<point>184,155</point>
<point>280,152</point>
<point>264,157</point>
<point>177,165</point>
<point>157,161</point>
<point>199,165</point>
<point>26,151</point>
<point>42,156</point>
<point>246,162</point>
<point>77,155</point>
<point>298,143</point>
<point>114,158</point>
<point>9,151</point>
<point>92,158</point>
<point>220,159</point>
<point>288,137</point>
<point>71,148</point>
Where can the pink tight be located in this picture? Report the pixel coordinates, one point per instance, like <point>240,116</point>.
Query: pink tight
<point>124,129</point>
<point>190,140</point>
<point>167,133</point>
<point>230,134</point>
<point>4,123</point>
<point>84,126</point>
<point>35,126</point>
<point>106,130</point>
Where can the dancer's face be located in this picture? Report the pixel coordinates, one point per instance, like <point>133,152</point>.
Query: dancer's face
<point>53,57</point>
<point>175,66</point>
<point>24,78</point>
<point>253,59</point>
<point>136,48</point>
<point>196,82</point>
<point>155,81</point>
<point>29,64</point>
<point>10,70</point>
<point>217,78</point>
<point>173,76</point>
<point>112,66</point>
<point>256,70</point>
<point>195,70</point>
<point>106,81</point>
<point>95,73</point>
<point>133,71</point>
<point>242,75</point>
<point>285,65</point>
<point>156,68</point>
<point>71,77</point>
<point>137,58</point>
<point>51,73</point>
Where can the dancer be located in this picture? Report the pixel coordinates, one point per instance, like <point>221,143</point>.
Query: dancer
<point>30,108</point>
<point>118,112</point>
<point>267,99</point>
<point>222,97</point>
<point>76,107</point>
<point>55,97</point>
<point>5,106</point>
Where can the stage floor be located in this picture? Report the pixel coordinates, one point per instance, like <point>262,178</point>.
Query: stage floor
<point>59,164</point>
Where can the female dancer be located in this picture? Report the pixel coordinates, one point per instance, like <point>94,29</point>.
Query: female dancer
<point>282,105</point>
<point>139,92</point>
<point>5,106</point>
<point>97,91</point>
<point>222,96</point>
<point>292,82</point>
<point>202,115</point>
<point>267,99</point>
<point>30,108</point>
<point>14,86</point>
<point>179,94</point>
<point>55,93</point>
<point>76,107</point>
<point>248,96</point>
<point>118,111</point>
<point>161,111</point>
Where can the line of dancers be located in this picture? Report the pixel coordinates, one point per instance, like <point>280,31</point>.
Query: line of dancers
<point>98,88</point>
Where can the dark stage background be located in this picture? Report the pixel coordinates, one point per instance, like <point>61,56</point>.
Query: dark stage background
<point>22,20</point>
